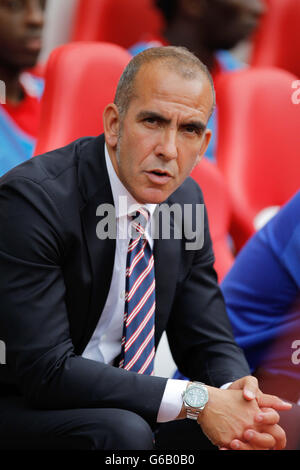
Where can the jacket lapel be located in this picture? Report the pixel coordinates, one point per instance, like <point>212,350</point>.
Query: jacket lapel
<point>167,253</point>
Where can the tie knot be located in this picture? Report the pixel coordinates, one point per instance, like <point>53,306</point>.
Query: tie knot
<point>139,222</point>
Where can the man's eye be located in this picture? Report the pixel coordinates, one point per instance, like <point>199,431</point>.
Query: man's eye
<point>152,122</point>
<point>14,5</point>
<point>192,130</point>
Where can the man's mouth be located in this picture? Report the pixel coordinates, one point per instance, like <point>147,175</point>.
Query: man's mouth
<point>159,176</point>
<point>33,44</point>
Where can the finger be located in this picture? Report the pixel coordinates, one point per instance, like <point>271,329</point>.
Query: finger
<point>236,444</point>
<point>259,440</point>
<point>278,434</point>
<point>271,401</point>
<point>250,389</point>
<point>267,416</point>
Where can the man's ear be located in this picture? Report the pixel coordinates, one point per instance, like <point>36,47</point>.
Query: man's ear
<point>204,144</point>
<point>111,123</point>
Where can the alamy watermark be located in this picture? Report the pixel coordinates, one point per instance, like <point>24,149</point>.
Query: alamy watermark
<point>2,352</point>
<point>296,93</point>
<point>296,354</point>
<point>2,92</point>
<point>168,222</point>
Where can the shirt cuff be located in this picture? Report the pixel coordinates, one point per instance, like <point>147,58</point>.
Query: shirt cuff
<point>225,386</point>
<point>171,403</point>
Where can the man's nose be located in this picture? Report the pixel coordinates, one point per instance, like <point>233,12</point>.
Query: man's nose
<point>35,14</point>
<point>167,146</point>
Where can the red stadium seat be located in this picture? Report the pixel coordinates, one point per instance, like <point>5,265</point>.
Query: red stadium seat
<point>277,41</point>
<point>118,21</point>
<point>81,79</point>
<point>258,143</point>
<point>217,201</point>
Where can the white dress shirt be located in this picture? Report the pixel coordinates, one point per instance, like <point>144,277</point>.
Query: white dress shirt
<point>105,343</point>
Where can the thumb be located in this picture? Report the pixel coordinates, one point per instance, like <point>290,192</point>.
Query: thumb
<point>248,385</point>
<point>250,389</point>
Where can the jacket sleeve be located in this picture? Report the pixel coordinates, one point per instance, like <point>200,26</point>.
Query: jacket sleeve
<point>34,319</point>
<point>199,332</point>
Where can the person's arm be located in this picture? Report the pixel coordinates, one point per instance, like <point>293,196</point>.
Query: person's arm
<point>227,417</point>
<point>34,319</point>
<point>199,332</point>
<point>264,432</point>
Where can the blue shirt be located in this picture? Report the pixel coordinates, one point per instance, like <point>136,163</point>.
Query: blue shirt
<point>16,145</point>
<point>262,293</point>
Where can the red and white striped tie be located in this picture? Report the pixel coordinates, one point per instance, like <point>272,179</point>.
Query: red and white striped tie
<point>138,348</point>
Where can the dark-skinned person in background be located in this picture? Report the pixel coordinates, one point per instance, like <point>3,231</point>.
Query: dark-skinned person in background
<point>209,28</point>
<point>21,26</point>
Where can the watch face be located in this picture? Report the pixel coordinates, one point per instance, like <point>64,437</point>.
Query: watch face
<point>196,397</point>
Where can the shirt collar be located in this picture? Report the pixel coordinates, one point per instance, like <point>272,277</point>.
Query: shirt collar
<point>123,200</point>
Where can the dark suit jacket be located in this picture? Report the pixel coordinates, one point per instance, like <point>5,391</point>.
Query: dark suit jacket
<point>55,275</point>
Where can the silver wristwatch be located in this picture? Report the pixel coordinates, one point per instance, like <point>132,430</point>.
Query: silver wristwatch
<point>195,398</point>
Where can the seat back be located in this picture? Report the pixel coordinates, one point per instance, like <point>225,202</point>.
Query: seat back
<point>277,40</point>
<point>217,201</point>
<point>258,142</point>
<point>118,21</point>
<point>81,79</point>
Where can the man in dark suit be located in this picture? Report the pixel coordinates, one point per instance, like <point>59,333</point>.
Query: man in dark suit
<point>68,382</point>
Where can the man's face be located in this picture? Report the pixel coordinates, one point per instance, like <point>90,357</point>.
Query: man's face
<point>163,133</point>
<point>21,25</point>
<point>227,22</point>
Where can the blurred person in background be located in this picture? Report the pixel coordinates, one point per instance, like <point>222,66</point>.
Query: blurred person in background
<point>209,28</point>
<point>21,26</point>
<point>262,295</point>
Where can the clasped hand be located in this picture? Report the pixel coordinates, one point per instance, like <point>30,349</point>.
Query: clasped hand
<point>243,418</point>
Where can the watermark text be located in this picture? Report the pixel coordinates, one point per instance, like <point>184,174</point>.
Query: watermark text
<point>2,92</point>
<point>181,222</point>
<point>296,354</point>
<point>2,352</point>
<point>296,93</point>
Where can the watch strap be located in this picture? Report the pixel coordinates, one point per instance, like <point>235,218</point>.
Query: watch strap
<point>192,413</point>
